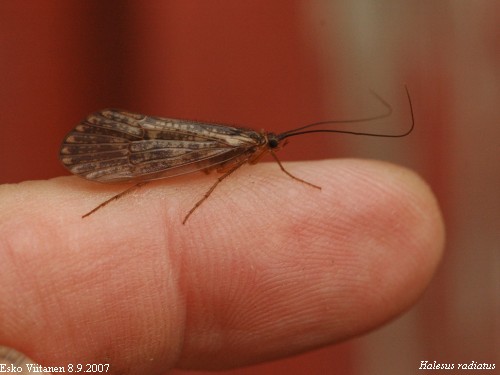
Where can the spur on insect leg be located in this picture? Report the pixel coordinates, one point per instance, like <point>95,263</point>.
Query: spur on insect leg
<point>116,197</point>
<point>212,188</point>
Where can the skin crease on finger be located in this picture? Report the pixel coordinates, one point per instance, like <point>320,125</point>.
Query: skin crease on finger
<point>266,267</point>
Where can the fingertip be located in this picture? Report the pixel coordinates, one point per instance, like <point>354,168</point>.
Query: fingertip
<point>266,267</point>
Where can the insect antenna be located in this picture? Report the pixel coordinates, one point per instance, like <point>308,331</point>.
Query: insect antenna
<point>387,113</point>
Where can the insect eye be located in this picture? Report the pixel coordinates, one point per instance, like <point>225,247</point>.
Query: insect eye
<point>273,143</point>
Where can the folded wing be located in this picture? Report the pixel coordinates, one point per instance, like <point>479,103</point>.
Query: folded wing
<point>112,145</point>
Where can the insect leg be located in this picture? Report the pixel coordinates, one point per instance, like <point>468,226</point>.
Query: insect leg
<point>291,175</point>
<point>212,188</point>
<point>117,196</point>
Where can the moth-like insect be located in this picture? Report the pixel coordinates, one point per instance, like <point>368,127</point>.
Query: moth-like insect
<point>116,146</point>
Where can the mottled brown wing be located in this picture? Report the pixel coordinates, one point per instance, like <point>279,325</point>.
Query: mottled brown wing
<point>113,145</point>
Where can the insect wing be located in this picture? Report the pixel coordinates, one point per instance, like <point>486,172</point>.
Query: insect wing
<point>112,145</point>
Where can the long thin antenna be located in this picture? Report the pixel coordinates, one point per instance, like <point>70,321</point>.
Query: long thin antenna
<point>294,132</point>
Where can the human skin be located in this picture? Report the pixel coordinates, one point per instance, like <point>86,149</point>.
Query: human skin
<point>267,267</point>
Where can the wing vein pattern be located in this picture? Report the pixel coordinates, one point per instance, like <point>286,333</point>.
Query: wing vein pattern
<point>113,145</point>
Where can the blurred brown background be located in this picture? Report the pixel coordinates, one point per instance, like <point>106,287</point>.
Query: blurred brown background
<point>278,65</point>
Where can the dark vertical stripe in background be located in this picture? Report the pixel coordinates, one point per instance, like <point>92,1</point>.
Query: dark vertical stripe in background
<point>58,61</point>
